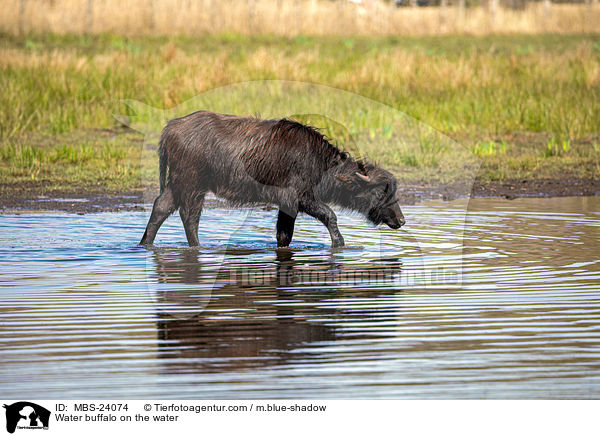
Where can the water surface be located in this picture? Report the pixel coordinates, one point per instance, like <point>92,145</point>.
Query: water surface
<point>85,313</point>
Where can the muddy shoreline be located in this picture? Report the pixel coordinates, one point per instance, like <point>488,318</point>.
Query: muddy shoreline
<point>15,199</point>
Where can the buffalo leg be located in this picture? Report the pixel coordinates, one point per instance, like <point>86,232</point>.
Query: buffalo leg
<point>190,216</point>
<point>285,229</point>
<point>323,213</point>
<point>164,205</point>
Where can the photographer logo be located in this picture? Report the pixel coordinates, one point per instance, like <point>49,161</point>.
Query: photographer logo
<point>24,415</point>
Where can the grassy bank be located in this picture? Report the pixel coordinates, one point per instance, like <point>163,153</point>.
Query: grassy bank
<point>527,106</point>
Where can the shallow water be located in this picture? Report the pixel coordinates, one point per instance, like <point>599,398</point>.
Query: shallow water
<point>514,313</point>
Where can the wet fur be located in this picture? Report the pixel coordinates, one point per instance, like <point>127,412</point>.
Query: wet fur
<point>248,161</point>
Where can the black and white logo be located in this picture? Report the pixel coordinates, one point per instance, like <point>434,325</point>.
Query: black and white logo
<point>26,415</point>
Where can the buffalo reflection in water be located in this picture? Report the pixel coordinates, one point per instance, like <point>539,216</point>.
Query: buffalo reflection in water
<point>252,308</point>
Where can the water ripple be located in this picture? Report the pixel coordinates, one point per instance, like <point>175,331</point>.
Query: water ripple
<point>86,313</point>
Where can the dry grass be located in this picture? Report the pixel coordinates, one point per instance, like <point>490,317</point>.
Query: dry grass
<point>285,17</point>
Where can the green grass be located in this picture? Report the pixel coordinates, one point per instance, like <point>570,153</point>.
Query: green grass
<point>525,106</point>
<point>70,162</point>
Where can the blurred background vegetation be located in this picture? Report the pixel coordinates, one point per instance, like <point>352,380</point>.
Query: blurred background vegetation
<point>299,17</point>
<point>517,83</point>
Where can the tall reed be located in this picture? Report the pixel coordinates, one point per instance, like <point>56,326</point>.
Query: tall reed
<point>286,17</point>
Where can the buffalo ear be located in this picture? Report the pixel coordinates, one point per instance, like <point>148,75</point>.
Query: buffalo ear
<point>342,178</point>
<point>354,182</point>
<point>349,182</point>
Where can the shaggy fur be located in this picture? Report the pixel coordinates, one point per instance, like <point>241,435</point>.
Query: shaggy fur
<point>248,161</point>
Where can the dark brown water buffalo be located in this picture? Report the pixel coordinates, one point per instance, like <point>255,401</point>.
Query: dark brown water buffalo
<point>250,161</point>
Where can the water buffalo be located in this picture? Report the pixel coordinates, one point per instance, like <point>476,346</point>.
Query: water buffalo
<point>250,161</point>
